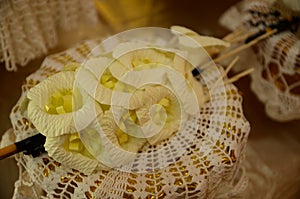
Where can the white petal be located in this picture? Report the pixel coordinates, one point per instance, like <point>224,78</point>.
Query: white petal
<point>117,69</point>
<point>206,41</point>
<point>203,41</point>
<point>57,124</point>
<point>184,92</point>
<point>133,54</point>
<point>125,48</point>
<point>111,153</point>
<point>179,30</point>
<point>93,86</point>
<point>54,147</point>
<point>98,65</point>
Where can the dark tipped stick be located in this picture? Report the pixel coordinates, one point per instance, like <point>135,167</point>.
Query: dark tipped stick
<point>33,145</point>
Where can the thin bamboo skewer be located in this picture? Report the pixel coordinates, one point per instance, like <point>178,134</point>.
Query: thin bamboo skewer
<point>245,46</point>
<point>229,67</point>
<point>235,50</point>
<point>233,35</point>
<point>238,76</point>
<point>241,38</point>
<point>234,78</point>
<point>238,36</point>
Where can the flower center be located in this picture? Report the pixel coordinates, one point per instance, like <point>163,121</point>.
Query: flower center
<point>124,137</point>
<point>60,102</point>
<point>108,80</point>
<point>73,144</point>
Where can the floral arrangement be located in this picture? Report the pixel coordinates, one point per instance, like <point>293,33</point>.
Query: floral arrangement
<point>99,114</point>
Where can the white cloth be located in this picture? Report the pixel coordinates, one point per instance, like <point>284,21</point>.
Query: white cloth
<point>29,28</point>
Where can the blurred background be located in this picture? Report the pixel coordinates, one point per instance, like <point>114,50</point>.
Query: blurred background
<point>272,145</point>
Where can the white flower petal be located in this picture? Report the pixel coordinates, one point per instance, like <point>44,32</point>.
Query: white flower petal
<point>133,54</point>
<point>54,147</point>
<point>204,41</point>
<point>101,141</point>
<point>116,156</point>
<point>98,65</point>
<point>134,144</point>
<point>58,124</point>
<point>193,43</point>
<point>117,69</point>
<point>93,86</point>
<point>125,48</point>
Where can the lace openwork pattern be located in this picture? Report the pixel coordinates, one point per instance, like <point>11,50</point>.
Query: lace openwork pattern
<point>276,79</point>
<point>29,28</point>
<point>212,173</point>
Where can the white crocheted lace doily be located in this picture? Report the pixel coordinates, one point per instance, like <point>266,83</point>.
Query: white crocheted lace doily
<point>276,79</point>
<point>29,28</point>
<point>216,174</point>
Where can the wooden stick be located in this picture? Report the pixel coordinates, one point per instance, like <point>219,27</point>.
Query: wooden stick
<point>233,34</point>
<point>229,67</point>
<point>33,145</point>
<point>8,151</point>
<point>245,46</point>
<point>238,76</point>
<point>238,36</point>
<point>236,50</point>
<point>243,37</point>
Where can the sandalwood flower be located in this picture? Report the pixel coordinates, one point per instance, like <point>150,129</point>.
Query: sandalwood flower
<point>55,102</point>
<point>100,113</point>
<point>59,109</point>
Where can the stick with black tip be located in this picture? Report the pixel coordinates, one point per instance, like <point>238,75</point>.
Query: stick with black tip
<point>33,145</point>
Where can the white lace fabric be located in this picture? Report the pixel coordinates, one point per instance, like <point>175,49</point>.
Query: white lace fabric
<point>215,174</point>
<point>276,79</point>
<point>29,28</point>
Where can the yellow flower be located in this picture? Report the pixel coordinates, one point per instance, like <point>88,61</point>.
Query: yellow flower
<point>59,109</point>
<point>105,142</point>
<point>55,102</point>
<point>56,148</point>
<point>156,75</point>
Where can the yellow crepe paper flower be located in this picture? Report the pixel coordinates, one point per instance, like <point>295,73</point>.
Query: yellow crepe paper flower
<point>89,78</point>
<point>164,112</point>
<point>59,109</point>
<point>106,143</point>
<point>55,146</point>
<point>56,103</point>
